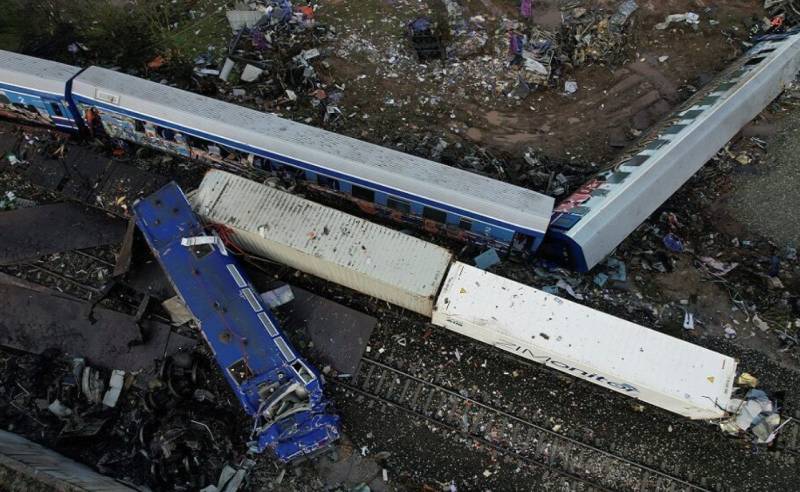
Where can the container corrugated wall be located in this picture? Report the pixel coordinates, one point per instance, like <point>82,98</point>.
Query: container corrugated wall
<point>324,242</point>
<point>611,352</point>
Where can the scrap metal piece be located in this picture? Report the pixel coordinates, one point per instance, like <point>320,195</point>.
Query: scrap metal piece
<point>339,334</point>
<point>123,263</point>
<point>275,386</point>
<point>30,233</point>
<point>36,320</point>
<point>114,388</point>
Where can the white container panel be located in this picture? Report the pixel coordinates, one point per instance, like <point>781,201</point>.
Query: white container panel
<point>613,353</point>
<point>324,242</point>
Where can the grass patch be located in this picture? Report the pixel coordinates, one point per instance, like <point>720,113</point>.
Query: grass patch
<point>122,34</point>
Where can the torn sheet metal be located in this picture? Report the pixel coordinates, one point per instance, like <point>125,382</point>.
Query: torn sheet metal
<point>30,233</point>
<point>35,321</point>
<point>115,385</point>
<point>87,177</point>
<point>339,334</point>
<point>756,416</point>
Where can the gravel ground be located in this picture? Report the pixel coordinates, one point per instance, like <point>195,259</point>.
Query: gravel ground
<point>765,200</point>
<point>694,451</point>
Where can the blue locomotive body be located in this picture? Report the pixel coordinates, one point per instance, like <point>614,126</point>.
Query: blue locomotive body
<point>273,384</point>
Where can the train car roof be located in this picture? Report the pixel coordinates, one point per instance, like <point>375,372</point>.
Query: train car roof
<point>416,176</point>
<point>35,73</point>
<point>643,182</point>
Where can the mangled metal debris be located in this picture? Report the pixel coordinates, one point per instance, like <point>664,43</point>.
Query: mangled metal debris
<point>277,388</point>
<point>755,415</point>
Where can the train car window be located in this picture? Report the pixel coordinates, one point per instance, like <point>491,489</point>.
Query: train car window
<point>465,223</point>
<point>434,214</point>
<point>674,129</point>
<point>166,134</point>
<point>617,177</point>
<point>328,182</point>
<point>398,204</point>
<point>636,160</point>
<point>691,114</point>
<point>363,193</point>
<point>754,61</point>
<point>657,144</point>
<point>57,110</point>
<point>139,126</point>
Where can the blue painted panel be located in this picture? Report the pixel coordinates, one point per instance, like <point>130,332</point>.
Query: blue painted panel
<point>380,198</point>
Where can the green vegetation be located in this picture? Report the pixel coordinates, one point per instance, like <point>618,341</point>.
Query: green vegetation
<point>118,33</point>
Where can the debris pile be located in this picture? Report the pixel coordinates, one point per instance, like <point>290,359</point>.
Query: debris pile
<point>755,414</point>
<point>591,35</point>
<point>787,10</point>
<point>273,59</point>
<point>173,432</point>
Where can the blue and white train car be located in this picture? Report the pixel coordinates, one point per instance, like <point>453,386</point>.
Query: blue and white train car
<point>282,392</point>
<point>588,225</point>
<point>399,186</point>
<point>36,91</point>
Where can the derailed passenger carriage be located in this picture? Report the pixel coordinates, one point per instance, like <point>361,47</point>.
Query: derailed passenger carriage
<point>282,392</point>
<point>594,220</point>
<point>35,90</point>
<point>399,186</point>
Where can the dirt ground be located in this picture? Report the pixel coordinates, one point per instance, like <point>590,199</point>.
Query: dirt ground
<point>467,99</point>
<point>764,195</point>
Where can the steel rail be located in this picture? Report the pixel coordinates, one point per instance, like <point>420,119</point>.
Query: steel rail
<point>374,374</point>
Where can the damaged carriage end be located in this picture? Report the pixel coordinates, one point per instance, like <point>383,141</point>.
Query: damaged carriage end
<point>292,416</point>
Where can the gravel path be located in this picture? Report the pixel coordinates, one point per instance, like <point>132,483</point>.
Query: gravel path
<point>766,199</point>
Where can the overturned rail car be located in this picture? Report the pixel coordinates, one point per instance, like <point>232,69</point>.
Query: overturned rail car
<point>605,350</point>
<point>283,393</point>
<point>322,241</point>
<point>594,220</point>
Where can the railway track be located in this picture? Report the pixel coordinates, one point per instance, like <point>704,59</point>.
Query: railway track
<point>81,274</point>
<point>583,466</point>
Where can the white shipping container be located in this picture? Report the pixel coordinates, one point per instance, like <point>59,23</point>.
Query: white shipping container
<point>608,351</point>
<point>324,242</point>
